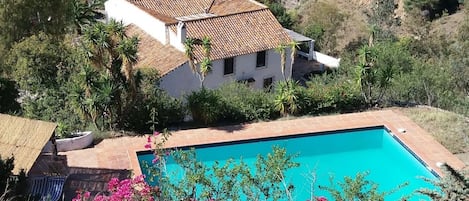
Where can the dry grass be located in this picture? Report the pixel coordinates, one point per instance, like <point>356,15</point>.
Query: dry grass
<point>450,129</point>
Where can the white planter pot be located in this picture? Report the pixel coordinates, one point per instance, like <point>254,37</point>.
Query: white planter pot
<point>81,141</point>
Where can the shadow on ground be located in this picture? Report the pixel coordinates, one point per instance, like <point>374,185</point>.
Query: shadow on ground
<point>93,180</point>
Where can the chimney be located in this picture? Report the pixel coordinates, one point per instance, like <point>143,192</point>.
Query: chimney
<point>181,32</point>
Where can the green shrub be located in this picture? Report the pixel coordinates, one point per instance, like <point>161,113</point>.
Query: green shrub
<point>283,17</point>
<point>358,188</point>
<point>53,106</point>
<point>333,93</point>
<point>242,103</point>
<point>205,106</point>
<point>17,188</point>
<point>167,111</point>
<point>310,100</point>
<point>8,95</point>
<point>231,103</point>
<point>152,106</point>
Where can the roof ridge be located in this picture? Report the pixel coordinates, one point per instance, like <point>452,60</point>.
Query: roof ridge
<point>209,7</point>
<point>221,16</point>
<point>259,3</point>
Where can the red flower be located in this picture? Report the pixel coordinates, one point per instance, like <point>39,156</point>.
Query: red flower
<point>149,139</point>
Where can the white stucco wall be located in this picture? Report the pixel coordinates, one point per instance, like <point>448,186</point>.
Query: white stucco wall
<point>182,81</point>
<point>175,41</point>
<point>122,10</point>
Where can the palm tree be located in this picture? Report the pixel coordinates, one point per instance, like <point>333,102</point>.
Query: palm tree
<point>205,66</point>
<point>189,52</point>
<point>87,78</point>
<point>127,50</point>
<point>206,46</point>
<point>85,13</point>
<point>97,44</point>
<point>77,100</point>
<point>107,95</point>
<point>82,94</point>
<point>281,50</point>
<point>293,45</point>
<point>92,106</point>
<point>109,48</point>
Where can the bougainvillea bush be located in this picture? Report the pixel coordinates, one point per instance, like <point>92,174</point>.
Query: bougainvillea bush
<point>135,189</point>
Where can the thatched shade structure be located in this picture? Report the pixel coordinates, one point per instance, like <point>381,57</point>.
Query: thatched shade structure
<point>23,139</point>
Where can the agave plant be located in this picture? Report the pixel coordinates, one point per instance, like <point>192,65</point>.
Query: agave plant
<point>286,97</point>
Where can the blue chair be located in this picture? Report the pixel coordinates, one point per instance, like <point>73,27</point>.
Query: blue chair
<point>47,188</point>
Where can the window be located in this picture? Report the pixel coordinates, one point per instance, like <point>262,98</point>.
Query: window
<point>248,82</point>
<point>260,61</point>
<point>268,83</point>
<point>229,64</point>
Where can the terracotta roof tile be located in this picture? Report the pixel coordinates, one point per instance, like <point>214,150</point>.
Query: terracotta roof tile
<point>238,34</point>
<point>164,18</point>
<point>153,54</point>
<point>228,7</point>
<point>174,8</point>
<point>179,8</point>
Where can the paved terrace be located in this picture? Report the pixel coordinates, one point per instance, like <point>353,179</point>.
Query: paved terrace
<point>112,157</point>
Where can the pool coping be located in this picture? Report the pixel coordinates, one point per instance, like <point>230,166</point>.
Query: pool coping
<point>422,144</point>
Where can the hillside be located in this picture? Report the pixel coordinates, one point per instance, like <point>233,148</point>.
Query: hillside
<point>355,25</point>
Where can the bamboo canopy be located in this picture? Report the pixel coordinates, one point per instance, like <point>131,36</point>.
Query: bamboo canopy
<point>23,139</point>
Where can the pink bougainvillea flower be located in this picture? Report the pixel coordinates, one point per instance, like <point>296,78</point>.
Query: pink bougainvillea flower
<point>113,183</point>
<point>149,139</point>
<point>156,159</point>
<point>148,146</point>
<point>156,133</point>
<point>321,198</point>
<point>87,195</point>
<point>121,190</point>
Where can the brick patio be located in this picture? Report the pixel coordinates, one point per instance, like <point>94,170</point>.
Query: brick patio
<point>119,154</point>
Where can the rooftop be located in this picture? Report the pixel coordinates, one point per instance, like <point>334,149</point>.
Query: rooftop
<point>233,35</point>
<point>166,10</point>
<point>153,54</point>
<point>235,27</point>
<point>24,139</point>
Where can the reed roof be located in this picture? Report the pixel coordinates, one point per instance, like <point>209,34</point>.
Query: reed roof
<point>24,139</point>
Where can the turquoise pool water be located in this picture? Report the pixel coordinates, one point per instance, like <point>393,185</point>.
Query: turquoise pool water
<point>342,153</point>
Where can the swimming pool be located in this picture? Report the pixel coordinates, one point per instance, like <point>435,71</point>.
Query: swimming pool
<point>339,153</point>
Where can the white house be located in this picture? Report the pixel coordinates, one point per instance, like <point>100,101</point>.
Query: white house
<point>243,33</point>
